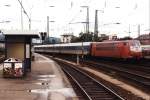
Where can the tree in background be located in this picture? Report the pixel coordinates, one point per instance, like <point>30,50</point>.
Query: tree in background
<point>89,37</point>
<point>85,37</point>
<point>75,39</point>
<point>126,38</point>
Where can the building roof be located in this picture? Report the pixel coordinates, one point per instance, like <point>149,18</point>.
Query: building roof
<point>30,33</point>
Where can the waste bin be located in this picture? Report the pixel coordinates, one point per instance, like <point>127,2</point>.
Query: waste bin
<point>13,68</point>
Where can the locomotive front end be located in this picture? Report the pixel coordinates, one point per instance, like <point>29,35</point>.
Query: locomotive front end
<point>135,49</point>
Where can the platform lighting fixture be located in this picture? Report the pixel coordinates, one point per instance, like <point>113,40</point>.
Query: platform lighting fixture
<point>117,7</point>
<point>77,22</point>
<point>52,21</point>
<point>5,21</point>
<point>84,6</point>
<point>7,5</point>
<point>112,23</point>
<point>117,23</point>
<point>51,6</point>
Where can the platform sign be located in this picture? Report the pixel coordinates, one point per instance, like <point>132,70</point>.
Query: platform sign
<point>7,65</point>
<point>18,70</point>
<point>7,70</point>
<point>27,51</point>
<point>18,65</point>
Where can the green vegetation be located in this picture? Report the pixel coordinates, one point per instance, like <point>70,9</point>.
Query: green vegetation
<point>89,37</point>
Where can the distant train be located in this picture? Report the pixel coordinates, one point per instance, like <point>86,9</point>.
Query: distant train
<point>145,51</point>
<point>114,49</point>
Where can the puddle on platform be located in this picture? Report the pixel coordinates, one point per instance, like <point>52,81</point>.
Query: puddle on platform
<point>43,79</point>
<point>47,76</point>
<point>43,94</point>
<point>42,83</point>
<point>67,92</point>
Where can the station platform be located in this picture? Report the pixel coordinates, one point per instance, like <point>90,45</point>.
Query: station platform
<point>45,82</point>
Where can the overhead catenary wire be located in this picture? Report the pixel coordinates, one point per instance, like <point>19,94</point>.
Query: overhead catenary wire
<point>23,9</point>
<point>25,14</point>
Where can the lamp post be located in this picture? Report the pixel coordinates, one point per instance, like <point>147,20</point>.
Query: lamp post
<point>30,17</point>
<point>87,18</point>
<point>139,30</point>
<point>96,24</point>
<point>52,21</point>
<point>48,23</point>
<point>47,26</point>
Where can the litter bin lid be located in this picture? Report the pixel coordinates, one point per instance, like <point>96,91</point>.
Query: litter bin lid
<point>12,60</point>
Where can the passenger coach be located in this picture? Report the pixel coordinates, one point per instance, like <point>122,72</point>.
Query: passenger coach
<point>67,48</point>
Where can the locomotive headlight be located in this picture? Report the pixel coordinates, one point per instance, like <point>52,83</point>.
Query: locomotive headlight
<point>135,48</point>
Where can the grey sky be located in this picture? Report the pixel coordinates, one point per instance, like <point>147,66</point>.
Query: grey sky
<point>126,12</point>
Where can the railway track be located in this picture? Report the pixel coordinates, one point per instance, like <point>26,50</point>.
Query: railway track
<point>141,70</point>
<point>143,62</point>
<point>133,66</point>
<point>140,79</point>
<point>129,73</point>
<point>90,87</point>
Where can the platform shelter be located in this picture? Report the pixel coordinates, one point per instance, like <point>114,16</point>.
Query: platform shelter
<point>18,46</point>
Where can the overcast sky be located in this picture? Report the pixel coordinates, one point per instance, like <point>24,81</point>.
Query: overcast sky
<point>129,13</point>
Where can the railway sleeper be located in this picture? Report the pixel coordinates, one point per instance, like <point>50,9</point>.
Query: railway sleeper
<point>96,89</point>
<point>103,98</point>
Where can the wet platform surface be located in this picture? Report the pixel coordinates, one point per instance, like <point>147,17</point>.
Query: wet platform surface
<point>45,82</point>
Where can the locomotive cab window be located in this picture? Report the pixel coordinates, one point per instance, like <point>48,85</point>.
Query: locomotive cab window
<point>137,43</point>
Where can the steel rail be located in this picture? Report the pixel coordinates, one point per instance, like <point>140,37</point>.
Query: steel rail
<point>125,73</point>
<point>90,86</point>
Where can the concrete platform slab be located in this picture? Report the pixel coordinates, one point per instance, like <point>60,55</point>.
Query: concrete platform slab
<point>45,82</point>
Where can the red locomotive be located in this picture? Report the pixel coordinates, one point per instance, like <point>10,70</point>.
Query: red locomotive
<point>117,49</point>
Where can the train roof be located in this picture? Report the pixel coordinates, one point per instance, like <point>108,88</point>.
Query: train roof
<point>66,44</point>
<point>116,41</point>
<point>80,43</point>
<point>29,33</point>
